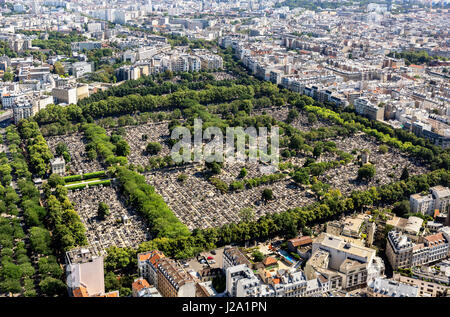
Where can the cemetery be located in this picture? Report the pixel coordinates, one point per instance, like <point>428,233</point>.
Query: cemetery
<point>122,227</point>
<point>198,204</point>
<point>80,162</point>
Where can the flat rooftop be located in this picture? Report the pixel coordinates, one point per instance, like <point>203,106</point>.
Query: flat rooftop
<point>338,243</point>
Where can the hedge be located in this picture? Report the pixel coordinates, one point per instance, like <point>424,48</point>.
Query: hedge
<point>81,186</point>
<point>105,182</point>
<point>94,175</point>
<point>72,178</point>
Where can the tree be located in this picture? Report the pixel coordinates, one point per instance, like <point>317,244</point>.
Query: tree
<point>61,148</point>
<point>61,192</point>
<point>122,148</point>
<point>182,177</point>
<point>11,270</point>
<point>318,149</point>
<point>103,210</point>
<point>58,68</point>
<point>319,188</point>
<point>296,142</point>
<point>267,194</point>
<point>49,266</point>
<point>10,285</point>
<point>40,240</point>
<point>292,115</point>
<point>111,282</point>
<point>383,148</point>
<point>301,177</point>
<point>247,214</point>
<point>51,286</point>
<point>214,167</point>
<point>92,154</point>
<point>55,180</point>
<point>366,172</point>
<point>401,208</point>
<point>258,256</point>
<point>405,174</point>
<point>117,258</point>
<point>243,172</point>
<point>312,118</point>
<point>153,148</point>
<point>219,283</point>
<point>8,76</point>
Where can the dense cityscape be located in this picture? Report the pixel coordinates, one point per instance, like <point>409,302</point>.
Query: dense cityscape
<point>100,197</point>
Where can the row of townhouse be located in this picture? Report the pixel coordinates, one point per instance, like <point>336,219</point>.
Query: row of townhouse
<point>402,252</point>
<point>270,73</point>
<point>242,282</point>
<point>166,275</point>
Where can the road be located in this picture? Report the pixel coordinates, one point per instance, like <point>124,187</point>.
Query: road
<point>6,118</point>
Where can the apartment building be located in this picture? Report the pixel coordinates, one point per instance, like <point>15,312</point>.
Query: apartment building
<point>173,280</point>
<point>132,72</point>
<point>66,94</point>
<point>381,287</point>
<point>85,274</point>
<point>441,196</point>
<point>346,265</point>
<point>402,252</point>
<point>22,111</point>
<point>399,250</point>
<point>79,46</point>
<point>426,204</point>
<point>210,61</point>
<point>411,226</point>
<point>186,63</point>
<point>295,284</point>
<point>420,203</point>
<point>141,288</point>
<point>438,247</point>
<point>425,288</point>
<point>241,282</point>
<point>8,100</point>
<point>232,256</point>
<point>79,69</point>
<point>82,92</point>
<point>148,265</point>
<point>365,108</point>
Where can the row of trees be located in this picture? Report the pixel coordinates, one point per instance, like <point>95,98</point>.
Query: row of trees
<point>111,149</point>
<point>256,181</point>
<point>20,274</point>
<point>67,229</point>
<point>50,274</point>
<point>155,85</point>
<point>17,159</point>
<point>39,154</point>
<point>60,218</point>
<point>140,102</point>
<point>16,271</point>
<point>413,57</point>
<point>143,197</point>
